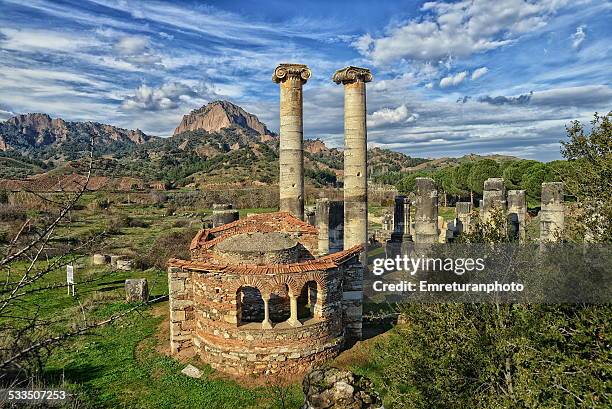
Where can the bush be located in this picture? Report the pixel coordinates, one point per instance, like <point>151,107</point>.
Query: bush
<point>115,224</point>
<point>9,213</point>
<point>4,196</point>
<point>174,244</point>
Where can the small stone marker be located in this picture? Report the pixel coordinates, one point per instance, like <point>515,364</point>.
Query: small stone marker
<point>136,290</point>
<point>192,372</point>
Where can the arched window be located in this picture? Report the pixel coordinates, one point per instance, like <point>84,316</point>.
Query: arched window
<point>307,301</point>
<point>249,305</point>
<point>279,305</point>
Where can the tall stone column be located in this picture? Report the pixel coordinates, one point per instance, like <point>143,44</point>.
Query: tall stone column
<point>552,213</point>
<point>517,213</point>
<point>291,77</point>
<point>355,154</point>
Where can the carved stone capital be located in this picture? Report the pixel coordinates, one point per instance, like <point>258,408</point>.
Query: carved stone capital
<point>284,71</point>
<point>352,74</point>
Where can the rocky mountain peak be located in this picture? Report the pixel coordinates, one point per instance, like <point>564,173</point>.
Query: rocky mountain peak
<point>218,115</point>
<point>36,130</point>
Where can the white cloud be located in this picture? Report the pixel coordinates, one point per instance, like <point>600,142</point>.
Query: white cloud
<point>595,96</point>
<point>453,80</point>
<point>579,36</point>
<point>132,45</point>
<point>387,116</point>
<point>458,29</point>
<point>169,96</point>
<point>43,40</point>
<point>479,72</point>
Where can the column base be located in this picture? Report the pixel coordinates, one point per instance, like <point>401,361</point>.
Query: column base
<point>294,323</point>
<point>267,324</point>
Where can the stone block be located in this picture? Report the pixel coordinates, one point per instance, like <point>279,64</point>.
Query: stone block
<point>136,290</point>
<point>99,259</point>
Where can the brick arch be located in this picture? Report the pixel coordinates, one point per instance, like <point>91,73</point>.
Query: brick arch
<point>318,277</point>
<point>288,280</point>
<point>251,281</point>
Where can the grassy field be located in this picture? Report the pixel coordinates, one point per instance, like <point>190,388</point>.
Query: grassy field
<point>126,364</point>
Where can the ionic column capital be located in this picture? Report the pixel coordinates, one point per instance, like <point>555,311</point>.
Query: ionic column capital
<point>285,71</point>
<point>352,74</point>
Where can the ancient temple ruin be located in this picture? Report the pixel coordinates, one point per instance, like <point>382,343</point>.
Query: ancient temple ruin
<point>271,293</point>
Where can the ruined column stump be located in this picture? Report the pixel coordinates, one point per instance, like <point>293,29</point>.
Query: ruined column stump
<point>426,215</point>
<point>517,214</point>
<point>552,213</point>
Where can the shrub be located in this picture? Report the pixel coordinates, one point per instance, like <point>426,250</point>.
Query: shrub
<point>174,244</point>
<point>9,213</point>
<point>4,196</point>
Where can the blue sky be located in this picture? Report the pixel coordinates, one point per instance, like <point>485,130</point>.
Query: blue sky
<point>450,78</point>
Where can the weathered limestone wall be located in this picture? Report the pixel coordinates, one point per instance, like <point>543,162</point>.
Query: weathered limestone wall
<point>426,215</point>
<point>493,196</point>
<point>463,211</point>
<point>291,77</point>
<point>182,318</point>
<point>355,154</point>
<point>517,213</point>
<point>552,213</point>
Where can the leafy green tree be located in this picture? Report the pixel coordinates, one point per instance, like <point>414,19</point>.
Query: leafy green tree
<point>460,179</point>
<point>481,171</point>
<point>408,183</point>
<point>514,171</point>
<point>532,180</point>
<point>444,180</point>
<point>588,175</point>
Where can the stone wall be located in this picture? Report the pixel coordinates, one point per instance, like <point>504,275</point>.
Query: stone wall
<point>182,316</point>
<point>352,299</point>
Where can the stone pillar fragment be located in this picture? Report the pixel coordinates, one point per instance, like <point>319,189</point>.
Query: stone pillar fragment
<point>463,211</point>
<point>552,213</point>
<point>223,213</point>
<point>426,215</point>
<point>401,220</point>
<point>355,154</point>
<point>493,196</point>
<point>323,225</point>
<point>517,213</point>
<point>136,290</point>
<point>291,77</point>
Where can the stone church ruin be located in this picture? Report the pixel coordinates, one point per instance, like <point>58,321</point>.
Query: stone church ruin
<point>271,293</point>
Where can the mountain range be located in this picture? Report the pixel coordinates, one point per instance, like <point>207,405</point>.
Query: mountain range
<point>217,144</point>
